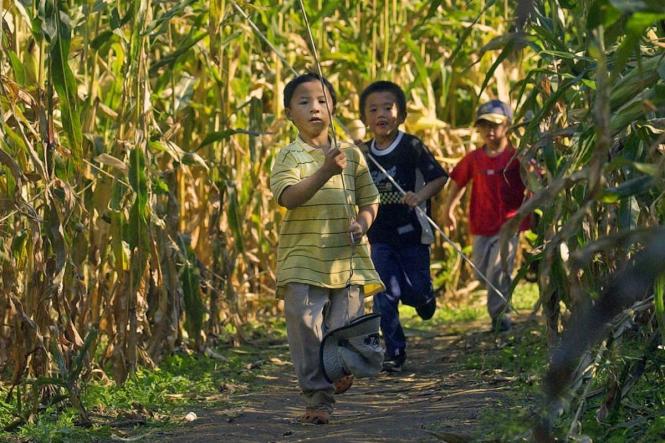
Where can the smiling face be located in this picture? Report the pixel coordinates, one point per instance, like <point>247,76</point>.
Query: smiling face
<point>382,116</point>
<point>307,110</point>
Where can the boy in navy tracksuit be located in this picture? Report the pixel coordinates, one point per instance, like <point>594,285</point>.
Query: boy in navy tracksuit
<point>401,235</point>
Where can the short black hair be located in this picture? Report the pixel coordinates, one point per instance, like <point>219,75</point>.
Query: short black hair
<point>291,86</point>
<point>383,86</point>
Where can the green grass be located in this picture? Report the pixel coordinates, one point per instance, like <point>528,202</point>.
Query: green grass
<point>453,318</point>
<point>159,398</point>
<point>521,362</point>
<point>641,415</point>
<point>519,359</point>
<point>152,398</point>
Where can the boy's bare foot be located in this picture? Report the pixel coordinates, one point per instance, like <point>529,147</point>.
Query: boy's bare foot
<point>315,416</point>
<point>343,384</point>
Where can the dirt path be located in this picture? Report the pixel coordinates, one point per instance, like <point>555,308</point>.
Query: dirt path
<point>431,400</point>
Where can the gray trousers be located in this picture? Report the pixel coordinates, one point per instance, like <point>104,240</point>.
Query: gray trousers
<point>310,312</point>
<point>487,257</point>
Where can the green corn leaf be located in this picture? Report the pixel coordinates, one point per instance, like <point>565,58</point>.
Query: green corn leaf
<point>172,58</point>
<point>601,12</point>
<point>65,85</point>
<point>117,21</point>
<point>58,357</point>
<point>168,15</point>
<point>170,148</point>
<point>190,279</point>
<point>635,27</point>
<point>235,221</point>
<point>78,365</point>
<point>421,66</point>
<point>137,227</point>
<point>628,214</point>
<point>651,169</point>
<point>160,187</point>
<point>18,244</point>
<point>15,138</point>
<point>7,160</point>
<point>637,109</point>
<point>505,52</point>
<point>192,158</point>
<point>635,186</point>
<point>118,227</point>
<point>467,32</point>
<point>138,179</point>
<point>218,136</point>
<point>17,67</point>
<point>255,125</point>
<point>328,8</point>
<point>194,308</point>
<point>640,77</point>
<point>102,39</point>
<point>661,71</point>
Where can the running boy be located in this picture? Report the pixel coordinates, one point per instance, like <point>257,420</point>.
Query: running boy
<point>496,195</point>
<point>323,264</point>
<point>401,235</point>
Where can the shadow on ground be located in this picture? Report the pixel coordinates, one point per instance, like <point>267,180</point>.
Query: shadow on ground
<point>431,400</point>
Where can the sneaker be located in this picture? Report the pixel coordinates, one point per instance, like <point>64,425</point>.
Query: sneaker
<point>501,323</point>
<point>394,364</point>
<point>427,310</point>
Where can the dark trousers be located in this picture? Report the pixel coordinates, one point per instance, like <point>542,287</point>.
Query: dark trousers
<point>405,273</point>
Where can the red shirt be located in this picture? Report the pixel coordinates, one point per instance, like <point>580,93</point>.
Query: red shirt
<point>497,191</point>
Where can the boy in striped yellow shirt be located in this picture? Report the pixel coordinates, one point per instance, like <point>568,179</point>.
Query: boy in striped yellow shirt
<point>323,265</point>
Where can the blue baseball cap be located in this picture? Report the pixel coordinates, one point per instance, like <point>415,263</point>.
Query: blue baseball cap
<point>494,111</point>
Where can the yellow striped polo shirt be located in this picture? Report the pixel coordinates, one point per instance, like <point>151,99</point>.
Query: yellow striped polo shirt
<point>314,240</point>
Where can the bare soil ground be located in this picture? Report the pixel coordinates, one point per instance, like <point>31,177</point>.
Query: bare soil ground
<point>433,399</point>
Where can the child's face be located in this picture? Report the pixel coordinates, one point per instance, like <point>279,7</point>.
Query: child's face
<point>382,114</point>
<point>492,133</point>
<point>307,109</point>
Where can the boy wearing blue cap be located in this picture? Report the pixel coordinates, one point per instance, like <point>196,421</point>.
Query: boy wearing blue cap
<point>496,195</point>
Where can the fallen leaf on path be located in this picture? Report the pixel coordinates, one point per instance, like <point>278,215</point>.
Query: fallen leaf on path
<point>135,438</point>
<point>278,361</point>
<point>267,377</point>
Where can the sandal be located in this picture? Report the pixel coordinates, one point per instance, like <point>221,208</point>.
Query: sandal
<point>315,416</point>
<point>343,384</point>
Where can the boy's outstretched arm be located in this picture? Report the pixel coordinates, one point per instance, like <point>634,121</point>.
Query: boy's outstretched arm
<point>363,221</point>
<point>413,199</point>
<point>450,200</point>
<point>295,195</point>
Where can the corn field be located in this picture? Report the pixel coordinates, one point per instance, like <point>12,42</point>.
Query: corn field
<point>137,139</point>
